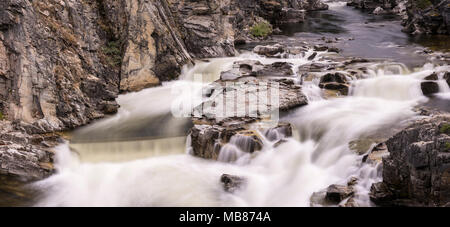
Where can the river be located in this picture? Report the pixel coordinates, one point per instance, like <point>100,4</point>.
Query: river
<point>140,156</point>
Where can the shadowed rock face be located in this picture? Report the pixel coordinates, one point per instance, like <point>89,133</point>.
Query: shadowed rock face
<point>219,121</point>
<point>232,183</point>
<point>64,62</point>
<point>417,171</point>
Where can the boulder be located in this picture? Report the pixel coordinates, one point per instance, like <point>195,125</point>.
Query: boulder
<point>291,16</point>
<point>283,130</point>
<point>335,194</point>
<point>334,77</point>
<point>232,183</point>
<point>312,56</point>
<point>429,87</point>
<point>427,17</point>
<point>269,50</point>
<point>447,78</point>
<point>433,76</point>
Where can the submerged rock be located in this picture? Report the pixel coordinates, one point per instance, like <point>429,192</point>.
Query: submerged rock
<point>232,183</point>
<point>291,16</point>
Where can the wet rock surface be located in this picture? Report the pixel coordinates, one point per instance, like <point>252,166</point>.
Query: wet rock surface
<point>419,16</point>
<point>429,87</point>
<point>63,63</point>
<point>334,195</point>
<point>427,17</point>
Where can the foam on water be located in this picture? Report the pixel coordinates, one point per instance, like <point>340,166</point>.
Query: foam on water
<point>283,175</point>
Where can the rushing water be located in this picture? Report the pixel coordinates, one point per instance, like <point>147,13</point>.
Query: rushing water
<point>140,157</point>
<point>317,156</point>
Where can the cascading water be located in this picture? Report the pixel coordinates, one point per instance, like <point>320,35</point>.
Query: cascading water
<point>153,167</point>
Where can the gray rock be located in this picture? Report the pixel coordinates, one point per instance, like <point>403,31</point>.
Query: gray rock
<point>208,140</point>
<point>427,17</point>
<point>232,183</point>
<point>335,81</point>
<point>379,10</point>
<point>433,76</point>
<point>320,48</point>
<point>447,78</point>
<point>269,50</point>
<point>337,193</point>
<point>277,69</point>
<point>291,16</point>
<point>429,87</point>
<point>417,170</point>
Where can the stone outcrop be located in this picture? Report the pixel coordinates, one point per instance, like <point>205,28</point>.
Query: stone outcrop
<point>417,171</point>
<point>335,81</point>
<point>248,93</point>
<point>427,17</point>
<point>25,156</point>
<point>371,5</point>
<point>419,16</point>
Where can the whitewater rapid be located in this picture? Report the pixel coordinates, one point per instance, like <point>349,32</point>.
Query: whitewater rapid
<point>161,172</point>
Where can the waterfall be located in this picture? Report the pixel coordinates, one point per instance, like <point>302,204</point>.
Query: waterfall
<point>283,175</point>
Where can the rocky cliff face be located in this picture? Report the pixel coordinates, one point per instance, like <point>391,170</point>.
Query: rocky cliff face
<point>417,171</point>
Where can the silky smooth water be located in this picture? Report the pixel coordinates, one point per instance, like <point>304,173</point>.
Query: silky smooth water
<point>317,156</point>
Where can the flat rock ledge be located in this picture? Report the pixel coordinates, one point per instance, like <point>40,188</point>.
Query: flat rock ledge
<point>264,90</point>
<point>26,157</point>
